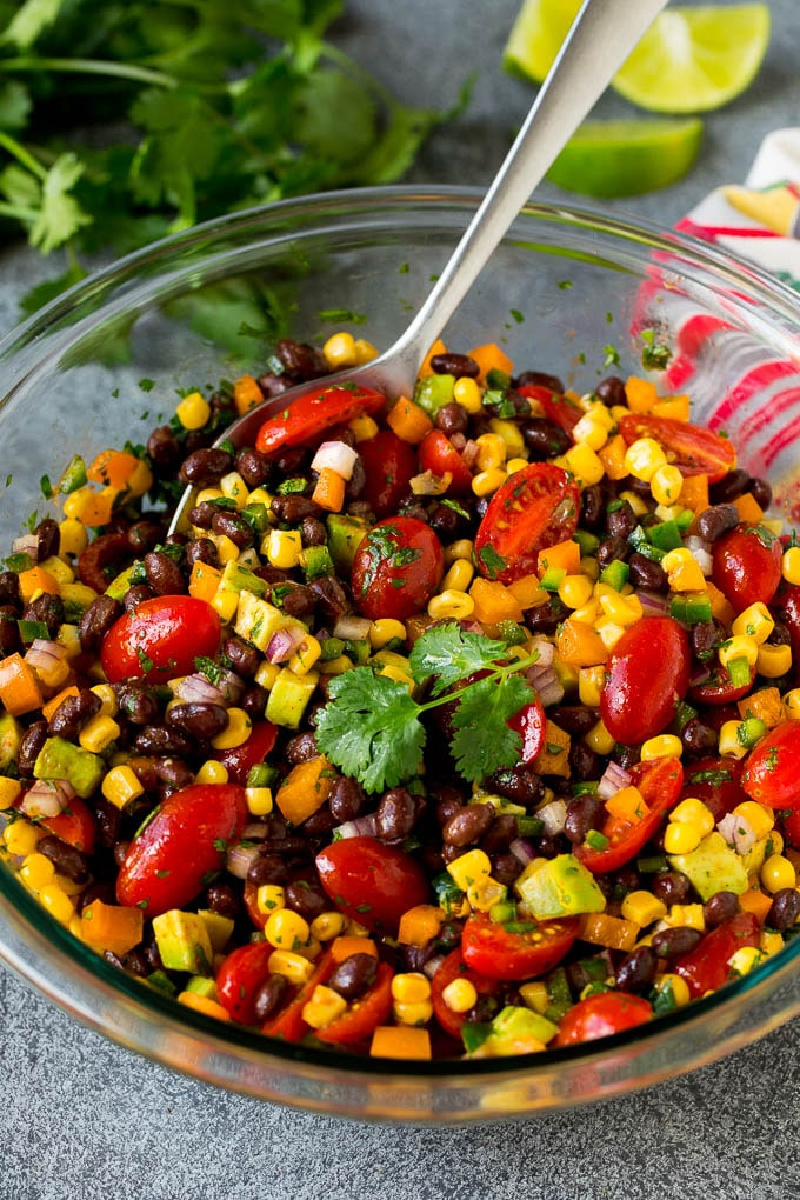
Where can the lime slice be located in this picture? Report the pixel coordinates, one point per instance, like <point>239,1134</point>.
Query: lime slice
<point>696,59</point>
<point>623,158</point>
<point>536,36</point>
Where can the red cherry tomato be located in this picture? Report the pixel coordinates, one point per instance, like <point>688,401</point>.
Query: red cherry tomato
<point>556,408</point>
<point>160,639</point>
<point>531,724</point>
<point>108,550</point>
<point>706,968</point>
<point>397,568</point>
<point>371,882</point>
<point>659,782</point>
<point>240,760</point>
<point>747,565</point>
<point>647,672</point>
<point>693,450</point>
<point>716,781</point>
<point>168,862</point>
<point>255,914</point>
<point>452,968</point>
<point>535,508</point>
<point>438,454</point>
<point>367,1013</point>
<point>718,689</point>
<point>791,828</point>
<point>315,412</point>
<point>601,1015</point>
<point>288,1024</point>
<point>788,602</point>
<point>240,977</point>
<point>75,826</point>
<point>771,771</point>
<point>389,464</point>
<point>493,950</point>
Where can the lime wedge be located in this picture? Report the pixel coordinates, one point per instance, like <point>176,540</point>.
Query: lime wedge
<point>623,158</point>
<point>536,36</point>
<point>696,59</point>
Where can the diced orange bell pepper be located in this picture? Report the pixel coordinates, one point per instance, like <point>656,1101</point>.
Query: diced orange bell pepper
<point>342,947</point>
<point>409,422</point>
<point>756,902</point>
<point>419,925</point>
<point>438,347</point>
<point>113,468</point>
<point>19,688</point>
<point>401,1041</point>
<point>204,1005</point>
<point>749,508</point>
<point>765,705</point>
<point>721,607</point>
<point>612,456</point>
<point>579,645</point>
<point>628,805</point>
<point>566,555</point>
<point>98,507</point>
<point>553,759</point>
<point>676,407</point>
<point>51,706</point>
<point>111,927</point>
<point>599,929</point>
<point>641,394</point>
<point>305,789</point>
<point>694,493</point>
<point>246,394</point>
<point>491,358</point>
<point>204,581</point>
<point>494,602</point>
<point>35,581</point>
<point>528,592</point>
<point>329,490</point>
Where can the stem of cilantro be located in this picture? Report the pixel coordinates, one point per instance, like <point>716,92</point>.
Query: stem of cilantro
<point>93,66</point>
<point>22,155</point>
<point>501,672</point>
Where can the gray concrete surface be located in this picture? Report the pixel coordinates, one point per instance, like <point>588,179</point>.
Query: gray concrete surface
<point>84,1119</point>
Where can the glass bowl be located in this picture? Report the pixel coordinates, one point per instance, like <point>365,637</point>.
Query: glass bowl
<point>568,292</point>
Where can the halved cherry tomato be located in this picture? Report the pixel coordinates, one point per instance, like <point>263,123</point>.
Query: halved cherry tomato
<point>787,601</point>
<point>240,760</point>
<point>167,863</point>
<point>160,639</point>
<point>366,1014</point>
<point>747,565</point>
<point>389,464</point>
<point>659,782</point>
<point>771,771</point>
<point>505,952</point>
<point>706,968</point>
<point>108,550</point>
<point>289,1024</point>
<point>536,507</point>
<point>255,914</point>
<point>647,673</point>
<point>791,828</point>
<point>555,407</point>
<point>75,826</point>
<point>695,451</point>
<point>315,412</point>
<point>240,977</point>
<point>715,781</point>
<point>438,454</point>
<point>531,724</point>
<point>452,968</point>
<point>717,689</point>
<point>397,568</point>
<point>371,882</point>
<point>601,1015</point>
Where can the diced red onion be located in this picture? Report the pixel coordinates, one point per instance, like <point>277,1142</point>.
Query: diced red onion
<point>613,780</point>
<point>653,603</point>
<point>699,676</point>
<point>27,544</point>
<point>552,694</point>
<point>554,816</point>
<point>240,859</point>
<point>458,440</point>
<point>737,833</point>
<point>700,551</point>
<point>284,642</point>
<point>471,452</point>
<point>257,831</point>
<point>196,689</point>
<point>361,827</point>
<point>428,484</point>
<point>44,655</point>
<point>522,850</point>
<point>47,798</point>
<point>231,686</point>
<point>546,652</point>
<point>351,628</point>
<point>338,456</point>
<point>547,684</point>
<point>432,965</point>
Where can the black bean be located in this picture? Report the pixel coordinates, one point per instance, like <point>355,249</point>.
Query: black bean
<point>396,815</point>
<point>307,899</point>
<point>223,899</point>
<point>293,462</point>
<point>254,702</point>
<point>626,756</point>
<point>205,467</point>
<point>157,739</point>
<point>519,784</point>
<point>202,514</point>
<point>9,588</point>
<point>584,763</point>
<point>49,539</point>
<point>97,891</point>
<point>715,521</point>
<point>107,820</point>
<point>641,487</point>
<point>143,535</point>
<point>735,484</point>
<point>73,713</point>
<point>97,620</point>
<point>613,549</point>
<point>637,970</point>
<point>506,868</point>
<point>136,595</point>
<point>611,391</point>
<point>545,618</point>
<point>544,438</point>
<point>301,748</point>
<point>468,825</point>
<point>460,365</point>
<point>200,721</point>
<point>354,975</point>
<point>275,385</point>
<point>298,601</point>
<point>357,481</point>
<point>268,868</point>
<point>269,996</point>
<point>583,814</point>
<point>592,507</point>
<point>201,550</point>
<point>698,738</point>
<point>577,719</point>
<point>32,741</point>
<point>331,598</point>
<point>9,631</point>
<point>49,609</point>
<point>540,379</point>
<point>320,824</point>
<point>780,635</point>
<point>65,858</point>
<point>646,574</point>
<point>135,961</point>
<point>300,359</point>
<point>761,491</point>
<point>243,657</point>
<point>164,575</point>
<point>446,523</point>
<point>254,467</point>
<point>483,1010</point>
<point>622,521</point>
<point>163,449</point>
<point>500,834</point>
<point>671,887</point>
<point>313,532</point>
<point>137,702</point>
<point>234,526</point>
<point>704,638</point>
<point>785,909</point>
<point>679,939</point>
<point>451,418</point>
<point>346,800</point>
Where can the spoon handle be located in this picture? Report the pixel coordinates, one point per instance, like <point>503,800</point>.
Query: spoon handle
<point>601,38</point>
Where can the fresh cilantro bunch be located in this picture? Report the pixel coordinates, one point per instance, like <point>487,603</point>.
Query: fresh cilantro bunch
<point>205,106</point>
<point>371,725</point>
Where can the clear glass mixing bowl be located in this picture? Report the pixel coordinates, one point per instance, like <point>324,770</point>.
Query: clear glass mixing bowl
<point>563,288</point>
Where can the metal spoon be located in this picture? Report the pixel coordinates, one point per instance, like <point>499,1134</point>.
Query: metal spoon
<point>602,36</point>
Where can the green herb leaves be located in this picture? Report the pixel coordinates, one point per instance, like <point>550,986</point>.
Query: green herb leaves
<point>371,726</point>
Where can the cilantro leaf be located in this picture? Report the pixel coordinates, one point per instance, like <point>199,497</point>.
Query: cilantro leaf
<point>60,216</point>
<point>30,20</point>
<point>371,730</point>
<point>483,741</point>
<point>450,654</point>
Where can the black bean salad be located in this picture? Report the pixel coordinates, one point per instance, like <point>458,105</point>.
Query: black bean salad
<point>461,725</point>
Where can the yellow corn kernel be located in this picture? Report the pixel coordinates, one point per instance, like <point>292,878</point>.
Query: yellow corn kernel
<point>759,818</point>
<point>484,893</point>
<point>777,842</point>
<point>777,873</point>
<point>467,393</point>
<point>98,734</point>
<point>770,942</point>
<point>755,622</point>
<point>305,656</point>
<point>510,435</point>
<point>460,995</point>
<point>325,1006</point>
<point>292,966</point>
<point>643,908</point>
<point>225,604</point>
<point>386,630</point>
<point>286,930</point>
<point>57,903</point>
<point>739,646</point>
<point>108,700</point>
<point>365,352</point>
<point>469,867</point>
<point>266,675</point>
<point>666,745</point>
<point>212,772</point>
<point>69,637</point>
<point>609,632</point>
<point>679,986</point>
<point>599,739</point>
<point>515,464</point>
<point>340,351</point>
<point>622,610</point>
<point>36,871</point>
<point>21,837</point>
<point>773,661</point>
<point>790,565</point>
<point>575,590</point>
<point>338,666</point>
<point>363,428</point>
<point>457,579</point>
<point>534,995</point>
<point>590,432</point>
<point>588,614</point>
<point>695,812</point>
<point>591,681</point>
<point>683,571</point>
<point>328,925</point>
<point>451,605</point>
<point>584,463</point>
<point>237,731</point>
<point>666,484</point>
<point>462,549</point>
<point>282,548</point>
<point>234,488</point>
<point>691,915</point>
<point>120,786</point>
<point>73,537</point>
<point>791,702</point>
<point>413,1014</point>
<point>270,897</point>
<point>486,482</point>
<point>209,493</point>
<point>682,837</point>
<point>411,987</point>
<point>227,550</point>
<point>644,457</point>
<point>744,960</point>
<point>729,740</point>
<point>259,801</point>
<point>193,411</point>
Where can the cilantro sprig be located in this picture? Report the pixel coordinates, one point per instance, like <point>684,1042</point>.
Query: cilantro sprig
<point>371,727</point>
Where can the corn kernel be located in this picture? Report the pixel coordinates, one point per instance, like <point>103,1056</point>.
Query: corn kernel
<point>460,995</point>
<point>690,915</point>
<point>584,463</point>
<point>305,656</point>
<point>590,432</point>
<point>790,565</point>
<point>694,812</point>
<point>729,743</point>
<point>486,482</point>
<point>510,434</point>
<point>21,837</point>
<point>411,987</point>
<point>36,871</point>
<point>286,930</point>
<point>292,966</point>
<point>774,661</point>
<point>259,801</point>
<point>682,837</point>
<point>386,630</point>
<point>609,632</point>
<point>469,867</point>
<point>467,393</point>
<point>760,819</point>
<point>777,873</point>
<point>622,610</point>
<point>451,605</point>
<point>73,537</point>
<point>666,484</point>
<point>270,897</point>
<point>599,739</point>
<point>457,579</point>
<point>666,745</point>
<point>266,675</point>
<point>57,903</point>
<point>678,985</point>
<point>328,925</point>
<point>744,960</point>
<point>643,908</point>
<point>458,550</point>
<point>575,590</point>
<point>791,702</point>
<point>515,464</point>
<point>237,731</point>
<point>777,842</point>
<point>644,457</point>
<point>212,772</point>
<point>9,790</point>
<point>534,995</point>
<point>363,428</point>
<point>98,733</point>
<point>340,351</point>
<point>484,893</point>
<point>120,786</point>
<point>413,1014</point>
<point>108,700</point>
<point>234,488</point>
<point>755,622</point>
<point>365,352</point>
<point>739,646</point>
<point>282,548</point>
<point>69,637</point>
<point>227,550</point>
<point>193,411</point>
<point>591,681</point>
<point>325,1006</point>
<point>770,942</point>
<point>683,571</point>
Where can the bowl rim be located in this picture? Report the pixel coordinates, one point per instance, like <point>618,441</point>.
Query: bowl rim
<point>31,922</point>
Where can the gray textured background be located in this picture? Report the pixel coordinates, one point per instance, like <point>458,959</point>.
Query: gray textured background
<point>84,1119</point>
